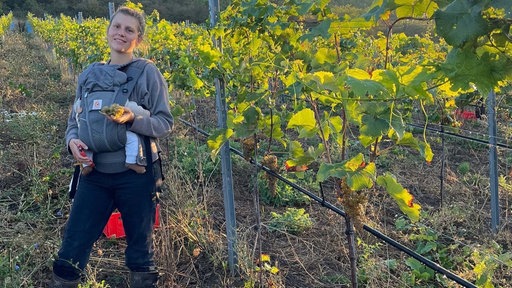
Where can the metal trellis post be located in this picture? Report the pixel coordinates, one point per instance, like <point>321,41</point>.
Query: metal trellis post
<point>111,9</point>
<point>227,173</point>
<point>493,161</point>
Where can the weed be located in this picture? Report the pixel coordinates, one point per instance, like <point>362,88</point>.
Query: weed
<point>428,244</point>
<point>463,168</point>
<point>293,220</point>
<point>192,157</point>
<point>284,195</point>
<point>267,274</point>
<point>94,284</point>
<point>486,263</point>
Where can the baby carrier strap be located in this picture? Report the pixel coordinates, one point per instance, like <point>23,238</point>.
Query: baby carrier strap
<point>133,72</point>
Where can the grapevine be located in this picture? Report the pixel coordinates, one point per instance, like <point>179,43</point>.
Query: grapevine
<point>301,76</point>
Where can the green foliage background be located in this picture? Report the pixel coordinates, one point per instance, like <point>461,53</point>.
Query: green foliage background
<point>173,10</point>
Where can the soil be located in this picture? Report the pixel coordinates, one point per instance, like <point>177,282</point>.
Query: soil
<point>191,246</point>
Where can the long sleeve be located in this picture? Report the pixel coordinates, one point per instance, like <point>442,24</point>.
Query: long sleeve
<point>152,92</point>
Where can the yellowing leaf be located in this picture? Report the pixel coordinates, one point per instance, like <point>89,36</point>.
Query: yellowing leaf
<point>265,258</point>
<point>324,76</point>
<point>217,139</point>
<point>402,197</point>
<point>303,119</point>
<point>354,163</point>
<point>359,74</point>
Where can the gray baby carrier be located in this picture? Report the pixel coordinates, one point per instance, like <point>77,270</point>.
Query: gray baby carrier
<point>103,85</point>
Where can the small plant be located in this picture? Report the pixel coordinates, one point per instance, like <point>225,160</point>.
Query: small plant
<point>463,168</point>
<point>268,274</point>
<point>488,262</point>
<point>281,194</point>
<point>293,220</point>
<point>190,157</point>
<point>428,244</point>
<point>93,284</point>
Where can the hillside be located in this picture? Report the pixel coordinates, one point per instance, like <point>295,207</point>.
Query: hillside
<point>36,91</point>
<point>195,11</point>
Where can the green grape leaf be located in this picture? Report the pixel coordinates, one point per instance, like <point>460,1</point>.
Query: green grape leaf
<point>328,98</point>
<point>461,22</point>
<point>342,169</point>
<point>464,66</point>
<point>321,30</point>
<point>409,140</point>
<point>426,151</point>
<point>360,83</point>
<point>324,55</point>
<point>299,156</point>
<point>362,178</point>
<point>194,81</point>
<point>336,123</point>
<point>375,121</point>
<point>418,8</point>
<point>323,80</point>
<point>380,9</point>
<point>375,125</point>
<point>248,124</point>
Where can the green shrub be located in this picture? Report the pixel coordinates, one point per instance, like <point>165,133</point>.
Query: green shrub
<point>284,194</point>
<point>193,158</point>
<point>293,220</point>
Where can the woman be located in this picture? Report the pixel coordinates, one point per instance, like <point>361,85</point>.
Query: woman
<point>111,184</point>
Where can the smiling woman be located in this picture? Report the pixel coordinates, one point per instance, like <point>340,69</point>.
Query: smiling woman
<point>111,181</point>
<point>125,32</point>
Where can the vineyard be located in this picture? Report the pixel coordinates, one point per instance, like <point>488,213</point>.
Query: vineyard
<point>388,131</point>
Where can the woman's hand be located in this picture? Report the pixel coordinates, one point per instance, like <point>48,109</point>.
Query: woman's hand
<point>78,148</point>
<point>126,117</point>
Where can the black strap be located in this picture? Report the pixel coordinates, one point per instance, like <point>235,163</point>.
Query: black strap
<point>74,182</point>
<point>150,169</point>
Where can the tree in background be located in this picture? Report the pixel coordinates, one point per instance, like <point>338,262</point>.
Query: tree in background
<point>195,11</point>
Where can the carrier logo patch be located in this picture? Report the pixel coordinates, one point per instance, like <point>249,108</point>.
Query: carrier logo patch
<point>96,104</point>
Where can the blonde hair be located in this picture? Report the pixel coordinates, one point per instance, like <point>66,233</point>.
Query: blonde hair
<point>133,13</point>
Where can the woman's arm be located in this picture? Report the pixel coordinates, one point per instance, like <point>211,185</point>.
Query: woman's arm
<point>153,95</point>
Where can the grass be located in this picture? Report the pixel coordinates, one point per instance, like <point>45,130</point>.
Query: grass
<point>191,245</point>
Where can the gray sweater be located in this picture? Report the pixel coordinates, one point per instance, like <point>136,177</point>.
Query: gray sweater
<point>151,92</point>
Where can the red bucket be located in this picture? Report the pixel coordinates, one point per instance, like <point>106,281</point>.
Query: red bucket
<point>115,229</point>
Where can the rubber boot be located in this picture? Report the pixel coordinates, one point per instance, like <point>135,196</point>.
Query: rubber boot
<point>143,279</point>
<point>58,282</point>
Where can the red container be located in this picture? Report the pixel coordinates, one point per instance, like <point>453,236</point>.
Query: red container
<point>115,229</point>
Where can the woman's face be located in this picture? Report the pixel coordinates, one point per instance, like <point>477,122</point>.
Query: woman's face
<point>123,34</point>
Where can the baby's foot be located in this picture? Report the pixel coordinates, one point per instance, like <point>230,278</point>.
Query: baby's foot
<point>86,170</point>
<point>137,168</point>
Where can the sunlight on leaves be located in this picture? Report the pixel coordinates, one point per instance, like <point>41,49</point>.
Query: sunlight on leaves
<point>402,197</point>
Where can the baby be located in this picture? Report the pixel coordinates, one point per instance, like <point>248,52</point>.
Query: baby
<point>131,147</point>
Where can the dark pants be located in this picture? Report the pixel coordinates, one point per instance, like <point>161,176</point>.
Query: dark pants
<point>96,197</point>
